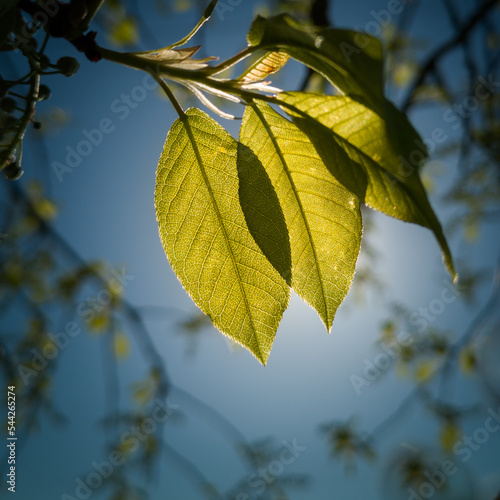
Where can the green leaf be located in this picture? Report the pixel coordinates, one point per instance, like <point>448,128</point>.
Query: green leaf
<point>352,67</point>
<point>350,60</point>
<point>206,237</point>
<point>323,218</point>
<point>362,153</point>
<point>175,58</point>
<point>262,210</point>
<point>264,66</point>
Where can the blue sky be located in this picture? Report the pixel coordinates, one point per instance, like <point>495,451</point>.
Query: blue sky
<point>106,211</point>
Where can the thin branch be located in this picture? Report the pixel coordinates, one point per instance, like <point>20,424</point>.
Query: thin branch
<point>481,12</point>
<point>444,369</point>
<point>216,418</point>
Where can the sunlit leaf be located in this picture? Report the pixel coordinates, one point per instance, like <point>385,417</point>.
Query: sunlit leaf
<point>206,237</point>
<point>323,218</point>
<point>169,55</point>
<point>267,65</point>
<point>262,210</point>
<point>353,67</point>
<point>352,62</point>
<point>176,58</point>
<point>380,167</point>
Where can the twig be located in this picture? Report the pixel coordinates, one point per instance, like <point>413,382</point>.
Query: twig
<point>481,12</point>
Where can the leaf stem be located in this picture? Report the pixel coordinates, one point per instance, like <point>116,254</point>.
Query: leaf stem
<point>228,63</point>
<point>202,77</point>
<point>170,95</point>
<point>93,10</point>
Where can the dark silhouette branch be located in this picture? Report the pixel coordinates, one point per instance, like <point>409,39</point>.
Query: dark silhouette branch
<point>431,62</point>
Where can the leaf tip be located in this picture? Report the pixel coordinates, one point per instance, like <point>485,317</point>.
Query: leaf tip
<point>263,361</point>
<point>326,319</point>
<point>262,356</point>
<point>450,266</point>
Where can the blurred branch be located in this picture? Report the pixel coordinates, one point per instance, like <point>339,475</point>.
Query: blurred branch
<point>190,470</point>
<point>216,418</point>
<point>459,38</point>
<point>444,370</point>
<point>143,338</point>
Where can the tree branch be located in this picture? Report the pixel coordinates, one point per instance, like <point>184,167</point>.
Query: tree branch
<point>481,12</point>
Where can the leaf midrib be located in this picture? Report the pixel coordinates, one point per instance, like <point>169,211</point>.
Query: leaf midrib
<point>259,113</point>
<point>185,121</point>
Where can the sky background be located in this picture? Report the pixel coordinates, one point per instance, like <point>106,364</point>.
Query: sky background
<point>107,212</point>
